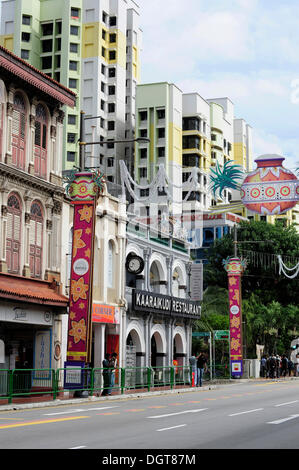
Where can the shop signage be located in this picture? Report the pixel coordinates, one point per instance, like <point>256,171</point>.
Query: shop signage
<point>105,314</point>
<point>152,302</point>
<point>22,314</point>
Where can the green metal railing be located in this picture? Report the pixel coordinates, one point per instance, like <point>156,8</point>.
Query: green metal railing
<point>19,383</point>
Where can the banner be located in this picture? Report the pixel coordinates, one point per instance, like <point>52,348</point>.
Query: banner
<point>83,192</point>
<point>235,268</point>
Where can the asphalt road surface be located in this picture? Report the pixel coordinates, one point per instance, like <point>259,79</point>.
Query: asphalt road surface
<point>251,415</point>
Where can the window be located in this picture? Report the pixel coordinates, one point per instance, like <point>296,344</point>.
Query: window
<point>71,138</point>
<point>72,83</point>
<point>26,37</point>
<point>72,118</point>
<point>110,162</point>
<point>144,192</point>
<point>143,153</point>
<point>143,172</point>
<point>110,265</point>
<point>111,90</point>
<point>143,132</point>
<point>110,145</point>
<point>190,142</point>
<point>58,61</point>
<point>58,44</point>
<point>213,137</point>
<point>36,239</point>
<point>58,27</point>
<point>111,72</point>
<point>73,65</point>
<point>74,47</point>
<point>104,17</point>
<point>111,107</point>
<point>19,124</point>
<point>24,54</point>
<point>102,105</point>
<point>112,55</point>
<point>13,234</point>
<point>112,38</point>
<point>47,45</point>
<point>161,113</point>
<point>143,115</point>
<point>191,124</point>
<point>103,52</point>
<point>74,30</point>
<point>26,19</point>
<point>47,29</point>
<point>161,133</point>
<point>112,21</point>
<point>103,87</point>
<point>103,69</point>
<point>71,156</point>
<point>47,62</point>
<point>161,152</point>
<point>75,13</point>
<point>40,142</point>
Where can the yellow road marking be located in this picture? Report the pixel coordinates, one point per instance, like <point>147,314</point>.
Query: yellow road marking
<point>161,406</point>
<point>46,421</point>
<point>109,414</point>
<point>137,409</point>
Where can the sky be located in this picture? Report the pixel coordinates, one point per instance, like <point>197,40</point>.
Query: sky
<point>246,50</point>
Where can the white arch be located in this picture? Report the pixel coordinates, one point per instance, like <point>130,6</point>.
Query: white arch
<point>131,248</point>
<point>181,269</point>
<point>180,332</point>
<point>160,337</point>
<point>161,265</point>
<point>134,327</point>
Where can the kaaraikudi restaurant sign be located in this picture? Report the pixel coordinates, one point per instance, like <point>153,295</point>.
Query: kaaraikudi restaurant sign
<point>159,303</point>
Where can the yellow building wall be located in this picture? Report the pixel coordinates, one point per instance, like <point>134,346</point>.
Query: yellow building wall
<point>92,43</point>
<point>239,154</point>
<point>7,42</point>
<point>175,143</point>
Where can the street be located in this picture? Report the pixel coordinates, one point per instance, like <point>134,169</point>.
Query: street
<point>251,415</point>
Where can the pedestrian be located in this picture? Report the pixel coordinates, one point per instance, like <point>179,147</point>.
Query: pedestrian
<point>284,365</point>
<point>272,366</point>
<point>106,374</point>
<point>278,366</point>
<point>290,367</point>
<point>112,366</point>
<point>263,369</point>
<point>193,371</point>
<point>201,367</point>
<point>296,364</point>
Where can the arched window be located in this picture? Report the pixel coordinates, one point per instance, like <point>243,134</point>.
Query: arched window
<point>110,282</point>
<point>19,122</point>
<point>36,239</point>
<point>13,235</point>
<point>40,142</point>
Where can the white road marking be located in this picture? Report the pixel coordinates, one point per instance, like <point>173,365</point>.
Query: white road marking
<point>80,411</point>
<point>245,412</point>
<point>288,403</point>
<point>78,447</point>
<point>179,413</point>
<point>173,427</point>
<point>283,420</point>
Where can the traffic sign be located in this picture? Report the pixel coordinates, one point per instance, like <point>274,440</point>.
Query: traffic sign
<point>197,334</point>
<point>221,334</point>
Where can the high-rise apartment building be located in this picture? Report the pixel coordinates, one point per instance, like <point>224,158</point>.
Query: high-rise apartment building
<point>111,42</point>
<point>159,118</point>
<point>93,48</point>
